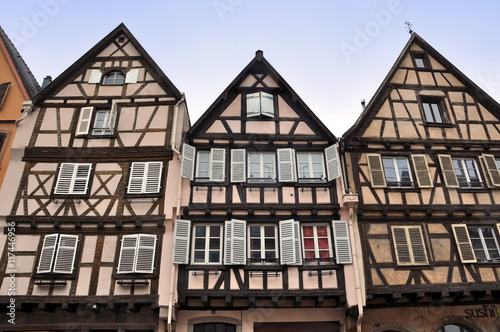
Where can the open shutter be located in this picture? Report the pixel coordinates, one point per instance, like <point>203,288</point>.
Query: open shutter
<point>238,165</point>
<point>95,76</point>
<point>187,163</point>
<point>66,253</point>
<point>153,177</point>
<point>332,163</point>
<point>424,179</point>
<point>127,254</point>
<point>112,117</point>
<point>267,104</point>
<point>290,242</point>
<point>83,125</point>
<point>342,242</point>
<point>65,178</point>
<point>376,169</point>
<point>401,245</point>
<point>464,244</point>
<point>490,169</point>
<point>182,233</point>
<point>132,75</point>
<point>81,178</point>
<point>253,104</point>
<point>145,254</point>
<point>286,161</point>
<point>235,242</point>
<point>47,253</point>
<point>450,178</point>
<point>217,165</point>
<point>417,245</point>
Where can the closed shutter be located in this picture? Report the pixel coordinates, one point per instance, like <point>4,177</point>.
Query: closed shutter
<point>376,169</point>
<point>126,262</point>
<point>417,245</point>
<point>132,76</point>
<point>332,163</point>
<point>136,179</point>
<point>286,161</point>
<point>95,76</point>
<point>66,253</point>
<point>290,242</point>
<point>401,245</point>
<point>253,104</point>
<point>153,177</point>
<point>235,242</point>
<point>342,242</point>
<point>424,179</point>
<point>267,104</point>
<point>73,178</point>
<point>83,125</point>
<point>82,177</point>
<point>47,253</point>
<point>182,233</point>
<point>187,163</point>
<point>450,178</point>
<point>490,169</point>
<point>238,166</point>
<point>217,165</point>
<point>112,117</point>
<point>464,244</point>
<point>146,249</point>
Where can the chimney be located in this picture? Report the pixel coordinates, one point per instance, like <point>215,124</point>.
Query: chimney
<point>46,81</point>
<point>259,55</point>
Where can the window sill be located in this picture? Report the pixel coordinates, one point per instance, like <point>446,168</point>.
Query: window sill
<point>51,282</point>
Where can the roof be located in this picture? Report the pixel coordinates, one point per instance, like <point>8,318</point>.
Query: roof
<point>30,84</point>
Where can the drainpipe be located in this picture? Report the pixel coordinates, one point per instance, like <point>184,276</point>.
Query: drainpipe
<point>27,109</point>
<point>174,126</point>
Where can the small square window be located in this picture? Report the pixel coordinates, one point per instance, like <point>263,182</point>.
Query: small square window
<point>420,60</point>
<point>434,110</point>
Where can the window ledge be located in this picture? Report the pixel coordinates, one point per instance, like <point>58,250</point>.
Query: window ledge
<point>51,282</point>
<point>133,282</point>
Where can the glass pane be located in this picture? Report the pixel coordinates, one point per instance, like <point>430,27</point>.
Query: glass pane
<point>307,231</point>
<point>322,231</point>
<point>437,113</point>
<point>323,244</point>
<point>214,243</point>
<point>309,244</point>
<point>254,231</point>
<point>270,244</point>
<point>215,231</point>
<point>255,244</point>
<point>214,256</point>
<point>428,112</point>
<point>269,231</point>
<point>199,257</point>
<point>199,244</point>
<point>200,231</point>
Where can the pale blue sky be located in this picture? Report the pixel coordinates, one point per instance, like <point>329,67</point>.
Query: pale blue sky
<point>333,53</point>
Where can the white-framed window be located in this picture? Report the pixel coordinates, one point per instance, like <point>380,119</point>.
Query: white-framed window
<point>73,179</point>
<point>207,165</point>
<point>310,167</point>
<point>97,122</point>
<point>434,110</point>
<point>477,243</point>
<point>203,165</point>
<point>409,245</point>
<point>261,167</point>
<point>137,253</point>
<point>58,254</point>
<point>260,103</point>
<point>316,244</point>
<point>145,177</point>
<point>467,173</point>
<point>263,244</point>
<point>397,172</point>
<point>114,77</point>
<point>207,244</point>
<point>420,60</point>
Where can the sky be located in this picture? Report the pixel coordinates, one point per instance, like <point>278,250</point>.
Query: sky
<point>333,53</point>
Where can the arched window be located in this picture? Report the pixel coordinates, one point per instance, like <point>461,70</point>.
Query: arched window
<point>455,328</point>
<point>214,327</point>
<point>114,78</point>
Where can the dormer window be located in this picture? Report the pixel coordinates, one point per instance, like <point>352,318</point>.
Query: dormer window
<point>260,103</point>
<point>420,60</point>
<point>114,78</point>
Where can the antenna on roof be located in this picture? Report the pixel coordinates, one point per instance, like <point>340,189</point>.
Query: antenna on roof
<point>408,26</point>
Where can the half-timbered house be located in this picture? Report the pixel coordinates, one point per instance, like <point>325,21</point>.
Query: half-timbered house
<point>85,223</point>
<point>424,158</point>
<point>264,242</point>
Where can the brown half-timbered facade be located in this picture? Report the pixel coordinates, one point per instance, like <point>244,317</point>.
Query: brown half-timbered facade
<point>424,158</point>
<point>85,224</point>
<point>264,242</point>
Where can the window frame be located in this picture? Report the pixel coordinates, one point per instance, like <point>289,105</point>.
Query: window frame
<point>422,56</point>
<point>145,179</point>
<point>264,104</point>
<point>136,260</point>
<point>311,178</point>
<point>441,109</point>
<point>484,246</point>
<point>466,170</point>
<point>411,247</point>
<point>261,164</point>
<point>64,183</point>
<point>87,119</point>
<point>114,80</point>
<point>263,245</point>
<point>54,250</point>
<point>398,183</point>
<point>206,250</point>
<point>317,260</point>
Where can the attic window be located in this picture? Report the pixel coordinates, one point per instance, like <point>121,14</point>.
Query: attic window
<point>4,87</point>
<point>121,40</point>
<point>260,103</point>
<point>114,78</point>
<point>434,110</point>
<point>420,60</point>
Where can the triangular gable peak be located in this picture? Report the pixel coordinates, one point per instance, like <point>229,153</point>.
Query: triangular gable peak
<point>425,97</point>
<point>118,52</point>
<point>260,105</point>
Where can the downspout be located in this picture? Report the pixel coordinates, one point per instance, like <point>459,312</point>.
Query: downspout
<point>27,109</point>
<point>174,126</point>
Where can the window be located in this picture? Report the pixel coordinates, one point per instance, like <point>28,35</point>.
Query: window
<point>210,165</point>
<point>491,170</point>
<point>58,254</point>
<point>311,167</point>
<point>261,167</point>
<point>203,165</point>
<point>434,111</point>
<point>207,244</point>
<point>263,243</point>
<point>409,245</point>
<point>420,60</point>
<point>316,244</point>
<point>145,177</point>
<point>397,172</point>
<point>476,243</point>
<point>114,78</point>
<point>260,103</point>
<point>467,173</point>
<point>97,122</point>
<point>4,88</point>
<point>73,179</point>
<point>137,254</point>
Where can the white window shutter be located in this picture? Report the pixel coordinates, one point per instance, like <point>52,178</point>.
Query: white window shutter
<point>81,178</point>
<point>182,233</point>
<point>235,242</point>
<point>132,75</point>
<point>145,258</point>
<point>47,253</point>
<point>64,181</point>
<point>267,104</point>
<point>253,104</point>
<point>153,177</point>
<point>83,125</point>
<point>464,244</point>
<point>127,259</point>
<point>290,242</point>
<point>217,165</point>
<point>187,163</point>
<point>136,179</point>
<point>95,76</point>
<point>286,162</point>
<point>332,163</point>
<point>450,178</point>
<point>66,253</point>
<point>376,169</point>
<point>342,242</point>
<point>491,170</point>
<point>228,231</point>
<point>422,170</point>
<point>112,117</point>
<point>238,165</point>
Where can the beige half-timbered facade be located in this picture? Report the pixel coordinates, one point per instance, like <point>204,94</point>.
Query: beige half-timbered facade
<point>424,158</point>
<point>264,242</point>
<point>85,224</point>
